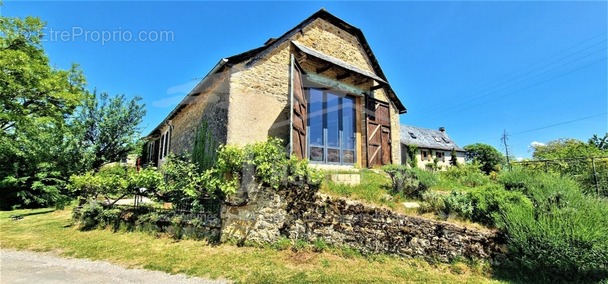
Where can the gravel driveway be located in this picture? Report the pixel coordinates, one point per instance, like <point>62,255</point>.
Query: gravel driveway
<point>34,267</point>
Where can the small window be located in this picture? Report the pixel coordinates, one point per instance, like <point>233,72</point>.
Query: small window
<point>436,139</point>
<point>440,156</point>
<point>165,145</point>
<point>425,155</point>
<point>412,135</point>
<point>445,140</point>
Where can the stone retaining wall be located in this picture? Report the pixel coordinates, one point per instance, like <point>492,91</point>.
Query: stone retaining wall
<point>263,215</point>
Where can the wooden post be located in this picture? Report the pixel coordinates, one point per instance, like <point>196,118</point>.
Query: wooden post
<point>597,187</point>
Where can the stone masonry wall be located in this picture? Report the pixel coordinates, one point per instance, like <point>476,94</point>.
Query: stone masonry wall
<point>259,93</point>
<point>301,213</point>
<point>211,106</point>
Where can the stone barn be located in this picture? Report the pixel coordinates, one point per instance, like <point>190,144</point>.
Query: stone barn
<point>318,87</point>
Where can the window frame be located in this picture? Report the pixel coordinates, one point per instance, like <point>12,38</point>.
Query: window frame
<point>326,92</point>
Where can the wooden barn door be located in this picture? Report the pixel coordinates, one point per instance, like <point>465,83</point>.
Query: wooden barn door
<point>378,133</point>
<point>299,113</point>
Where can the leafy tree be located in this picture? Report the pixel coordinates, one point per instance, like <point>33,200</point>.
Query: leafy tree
<point>573,157</point>
<point>566,148</point>
<point>35,142</point>
<point>42,142</point>
<point>600,143</point>
<point>31,91</point>
<point>108,127</point>
<point>487,156</point>
<point>454,158</point>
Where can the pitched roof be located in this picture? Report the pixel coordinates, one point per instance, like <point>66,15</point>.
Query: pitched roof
<point>253,55</point>
<point>427,138</point>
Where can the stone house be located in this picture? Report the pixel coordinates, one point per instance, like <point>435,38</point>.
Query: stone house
<point>318,87</point>
<point>429,144</point>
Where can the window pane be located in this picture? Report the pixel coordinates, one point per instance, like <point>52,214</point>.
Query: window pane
<point>348,123</point>
<point>333,155</point>
<point>333,130</point>
<point>348,157</point>
<point>316,154</point>
<point>315,117</point>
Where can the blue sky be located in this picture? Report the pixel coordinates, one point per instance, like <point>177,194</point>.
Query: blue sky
<point>535,69</point>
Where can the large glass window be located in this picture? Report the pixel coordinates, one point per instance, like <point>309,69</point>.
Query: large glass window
<point>331,127</point>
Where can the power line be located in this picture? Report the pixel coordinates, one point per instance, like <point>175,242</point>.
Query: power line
<point>481,89</point>
<point>528,87</point>
<point>561,123</point>
<point>544,59</point>
<point>451,106</point>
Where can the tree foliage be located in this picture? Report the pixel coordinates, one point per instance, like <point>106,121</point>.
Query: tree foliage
<point>42,141</point>
<point>566,148</point>
<point>35,142</point>
<point>599,142</point>
<point>487,156</point>
<point>31,91</point>
<point>108,127</point>
<point>574,157</point>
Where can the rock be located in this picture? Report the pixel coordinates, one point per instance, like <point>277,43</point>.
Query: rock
<point>411,204</point>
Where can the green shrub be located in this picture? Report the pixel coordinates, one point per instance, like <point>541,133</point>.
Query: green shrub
<point>429,179</point>
<point>267,162</point>
<point>149,178</point>
<point>405,180</point>
<point>432,202</point>
<point>489,202</point>
<point>458,203</point>
<point>468,175</point>
<point>89,216</point>
<point>563,236</point>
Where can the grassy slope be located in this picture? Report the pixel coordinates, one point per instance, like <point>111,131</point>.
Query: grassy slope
<point>47,230</point>
<point>374,189</point>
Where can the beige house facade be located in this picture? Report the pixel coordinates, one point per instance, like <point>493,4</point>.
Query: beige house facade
<point>318,87</point>
<point>429,147</point>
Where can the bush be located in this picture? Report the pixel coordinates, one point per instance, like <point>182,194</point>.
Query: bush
<point>468,175</point>
<point>432,202</point>
<point>89,215</point>
<point>563,236</point>
<point>267,162</point>
<point>458,203</point>
<point>406,181</point>
<point>489,202</point>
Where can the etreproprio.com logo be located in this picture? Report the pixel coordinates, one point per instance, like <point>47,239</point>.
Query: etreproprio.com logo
<point>106,36</point>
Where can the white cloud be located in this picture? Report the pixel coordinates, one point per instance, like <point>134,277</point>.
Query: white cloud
<point>167,102</point>
<point>183,88</point>
<point>535,144</point>
<point>519,159</point>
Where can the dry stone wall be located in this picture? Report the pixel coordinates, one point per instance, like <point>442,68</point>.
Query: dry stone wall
<point>264,215</point>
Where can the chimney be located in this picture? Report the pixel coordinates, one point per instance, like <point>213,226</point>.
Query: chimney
<point>442,129</point>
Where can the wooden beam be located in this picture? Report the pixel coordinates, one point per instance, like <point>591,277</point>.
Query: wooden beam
<point>332,83</point>
<point>344,76</point>
<point>323,69</point>
<point>376,87</point>
<point>301,57</point>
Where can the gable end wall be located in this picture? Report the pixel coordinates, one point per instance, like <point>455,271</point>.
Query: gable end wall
<point>259,94</point>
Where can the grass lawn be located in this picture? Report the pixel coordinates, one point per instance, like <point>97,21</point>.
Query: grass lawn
<point>50,230</point>
<point>373,189</point>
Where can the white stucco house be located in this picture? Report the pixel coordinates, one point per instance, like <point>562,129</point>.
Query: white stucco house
<point>428,144</point>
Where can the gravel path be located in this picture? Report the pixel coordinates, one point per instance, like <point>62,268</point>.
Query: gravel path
<point>34,267</point>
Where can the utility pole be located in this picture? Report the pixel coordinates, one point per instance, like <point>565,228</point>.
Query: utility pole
<point>504,139</point>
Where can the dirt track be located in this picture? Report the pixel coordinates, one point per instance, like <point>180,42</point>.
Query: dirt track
<point>34,267</point>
